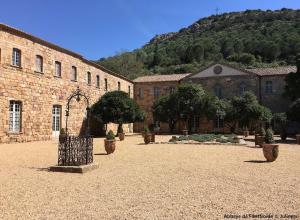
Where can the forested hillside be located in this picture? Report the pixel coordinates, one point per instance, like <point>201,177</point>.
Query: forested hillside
<point>252,38</point>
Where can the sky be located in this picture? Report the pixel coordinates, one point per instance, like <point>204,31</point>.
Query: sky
<point>101,28</point>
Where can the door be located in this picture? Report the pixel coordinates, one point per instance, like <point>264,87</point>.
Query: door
<point>56,120</point>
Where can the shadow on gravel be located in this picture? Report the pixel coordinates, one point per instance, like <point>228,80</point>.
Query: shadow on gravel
<point>256,161</point>
<point>101,154</point>
<point>40,168</point>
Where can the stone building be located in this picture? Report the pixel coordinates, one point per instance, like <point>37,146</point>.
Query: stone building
<point>36,78</point>
<point>223,81</point>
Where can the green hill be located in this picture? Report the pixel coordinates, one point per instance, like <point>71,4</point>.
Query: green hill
<point>253,38</point>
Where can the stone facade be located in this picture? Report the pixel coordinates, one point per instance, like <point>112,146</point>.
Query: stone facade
<point>224,81</point>
<point>38,92</point>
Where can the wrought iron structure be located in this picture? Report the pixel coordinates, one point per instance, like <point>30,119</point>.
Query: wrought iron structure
<point>76,150</point>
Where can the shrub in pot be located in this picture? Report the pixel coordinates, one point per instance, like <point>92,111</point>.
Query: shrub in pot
<point>270,149</point>
<point>246,132</point>
<point>260,136</point>
<point>147,136</point>
<point>110,142</point>
<point>62,135</point>
<point>121,133</point>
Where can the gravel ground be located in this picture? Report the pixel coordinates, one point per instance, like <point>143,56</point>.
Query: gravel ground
<point>149,182</point>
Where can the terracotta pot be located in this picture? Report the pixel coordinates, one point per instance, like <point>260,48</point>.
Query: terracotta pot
<point>62,138</point>
<point>147,138</point>
<point>153,137</point>
<point>259,140</point>
<point>271,151</point>
<point>246,133</point>
<point>121,136</point>
<point>298,138</point>
<point>110,146</point>
<point>185,132</point>
<point>283,136</point>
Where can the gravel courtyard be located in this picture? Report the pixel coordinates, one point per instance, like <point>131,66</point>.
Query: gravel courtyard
<point>149,182</point>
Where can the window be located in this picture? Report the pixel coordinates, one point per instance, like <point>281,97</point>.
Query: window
<point>57,69</point>
<point>119,86</point>
<point>106,85</point>
<point>141,93</point>
<point>171,89</point>
<point>39,63</point>
<point>218,91</point>
<point>16,57</point>
<point>98,81</point>
<point>269,87</point>
<point>242,88</point>
<point>89,78</point>
<point>218,122</point>
<point>74,73</point>
<point>129,91</point>
<point>14,116</point>
<point>156,92</point>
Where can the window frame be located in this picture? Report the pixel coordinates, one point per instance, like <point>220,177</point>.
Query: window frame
<point>89,78</point>
<point>156,92</point>
<point>74,74</point>
<point>269,87</point>
<point>57,63</point>
<point>218,91</point>
<point>15,117</point>
<point>39,58</point>
<point>16,58</point>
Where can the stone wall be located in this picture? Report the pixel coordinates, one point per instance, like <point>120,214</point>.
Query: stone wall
<point>39,92</point>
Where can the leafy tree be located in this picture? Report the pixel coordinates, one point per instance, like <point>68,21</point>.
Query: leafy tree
<point>292,88</point>
<point>117,107</point>
<point>245,111</point>
<point>186,102</point>
<point>293,113</point>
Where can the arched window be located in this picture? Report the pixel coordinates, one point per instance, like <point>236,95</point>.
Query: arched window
<point>98,81</point>
<point>242,88</point>
<point>218,91</point>
<point>119,86</point>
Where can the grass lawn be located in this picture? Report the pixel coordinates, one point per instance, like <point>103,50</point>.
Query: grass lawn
<point>161,181</point>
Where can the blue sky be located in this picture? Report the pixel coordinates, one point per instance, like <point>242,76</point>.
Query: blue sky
<point>100,28</point>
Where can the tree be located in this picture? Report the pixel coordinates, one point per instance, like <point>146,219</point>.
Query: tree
<point>164,111</point>
<point>292,88</point>
<point>245,111</point>
<point>117,107</point>
<point>293,113</point>
<point>186,102</point>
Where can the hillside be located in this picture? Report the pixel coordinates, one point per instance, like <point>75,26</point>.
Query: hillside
<point>252,38</point>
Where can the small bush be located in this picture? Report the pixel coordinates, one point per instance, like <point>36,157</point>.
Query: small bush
<point>110,135</point>
<point>146,130</point>
<point>120,129</point>
<point>269,138</point>
<point>261,131</point>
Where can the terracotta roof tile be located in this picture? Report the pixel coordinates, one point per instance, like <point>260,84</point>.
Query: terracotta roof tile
<point>161,78</point>
<point>282,70</point>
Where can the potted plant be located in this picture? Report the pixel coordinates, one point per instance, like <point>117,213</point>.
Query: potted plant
<point>260,136</point>
<point>152,128</point>
<point>110,142</point>
<point>246,132</point>
<point>62,136</point>
<point>282,121</point>
<point>270,149</point>
<point>121,133</point>
<point>147,135</point>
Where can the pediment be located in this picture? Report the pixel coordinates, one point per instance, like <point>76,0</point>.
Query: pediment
<point>219,70</point>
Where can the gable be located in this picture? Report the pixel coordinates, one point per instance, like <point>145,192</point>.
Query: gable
<point>219,70</point>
